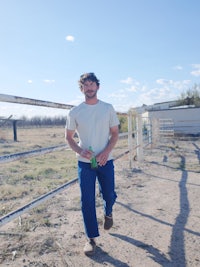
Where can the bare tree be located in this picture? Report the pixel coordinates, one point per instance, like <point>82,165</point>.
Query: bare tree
<point>190,97</point>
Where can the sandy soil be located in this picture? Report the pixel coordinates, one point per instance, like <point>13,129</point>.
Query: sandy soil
<point>156,218</point>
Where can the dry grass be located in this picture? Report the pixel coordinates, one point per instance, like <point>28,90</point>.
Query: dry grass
<point>39,237</point>
<point>30,138</point>
<point>23,180</point>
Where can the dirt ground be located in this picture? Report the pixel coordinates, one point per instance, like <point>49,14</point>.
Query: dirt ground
<point>156,218</point>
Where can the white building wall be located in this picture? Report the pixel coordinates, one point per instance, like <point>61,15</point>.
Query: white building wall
<point>186,120</point>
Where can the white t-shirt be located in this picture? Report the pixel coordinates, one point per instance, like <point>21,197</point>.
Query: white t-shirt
<point>92,124</point>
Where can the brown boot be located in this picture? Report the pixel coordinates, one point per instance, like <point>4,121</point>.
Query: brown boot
<point>108,222</point>
<point>90,247</point>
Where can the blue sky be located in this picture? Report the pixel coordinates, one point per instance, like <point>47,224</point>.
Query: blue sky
<point>143,51</point>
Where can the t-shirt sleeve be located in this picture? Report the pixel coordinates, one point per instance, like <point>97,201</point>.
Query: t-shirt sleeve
<point>70,122</point>
<point>114,121</point>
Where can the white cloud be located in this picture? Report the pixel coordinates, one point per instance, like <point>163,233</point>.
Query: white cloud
<point>30,81</point>
<point>181,85</point>
<point>173,84</point>
<point>154,95</point>
<point>76,101</point>
<point>160,81</point>
<point>133,88</point>
<point>119,95</point>
<point>166,90</point>
<point>69,38</point>
<point>196,66</point>
<point>144,88</point>
<point>48,81</point>
<point>18,110</point>
<point>178,67</point>
<point>129,80</point>
<point>123,106</point>
<point>164,81</point>
<point>196,71</point>
<point>134,85</point>
<point>136,94</point>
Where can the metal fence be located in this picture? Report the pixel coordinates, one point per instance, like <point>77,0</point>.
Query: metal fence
<point>140,134</point>
<point>11,157</point>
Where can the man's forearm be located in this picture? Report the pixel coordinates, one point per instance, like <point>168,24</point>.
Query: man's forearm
<point>112,142</point>
<point>74,146</point>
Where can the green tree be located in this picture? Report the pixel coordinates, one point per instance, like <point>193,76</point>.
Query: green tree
<point>123,119</point>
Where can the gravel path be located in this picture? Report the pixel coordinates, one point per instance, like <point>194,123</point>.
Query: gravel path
<point>156,218</point>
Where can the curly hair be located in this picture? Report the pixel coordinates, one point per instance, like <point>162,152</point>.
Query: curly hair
<point>88,77</point>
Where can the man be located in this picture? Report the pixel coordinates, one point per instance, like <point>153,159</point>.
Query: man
<point>96,124</point>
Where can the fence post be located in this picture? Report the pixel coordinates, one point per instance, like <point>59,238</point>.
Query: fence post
<point>155,131</point>
<point>15,130</point>
<point>150,131</point>
<point>130,138</point>
<point>139,139</point>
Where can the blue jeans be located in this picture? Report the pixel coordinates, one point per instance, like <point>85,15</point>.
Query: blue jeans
<point>87,180</point>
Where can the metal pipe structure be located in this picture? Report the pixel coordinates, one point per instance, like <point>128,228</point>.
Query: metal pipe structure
<point>11,157</point>
<point>12,215</point>
<point>34,102</point>
<point>41,151</point>
<point>32,153</point>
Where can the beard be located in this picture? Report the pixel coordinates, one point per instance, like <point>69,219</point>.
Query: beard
<point>91,94</point>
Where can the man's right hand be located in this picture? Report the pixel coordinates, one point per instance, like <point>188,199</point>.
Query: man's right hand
<point>85,153</point>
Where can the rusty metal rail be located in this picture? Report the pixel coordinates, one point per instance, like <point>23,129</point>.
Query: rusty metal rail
<point>36,102</point>
<point>30,101</point>
<point>32,153</point>
<point>12,215</point>
<point>36,152</point>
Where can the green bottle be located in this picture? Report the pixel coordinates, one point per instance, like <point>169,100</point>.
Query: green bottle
<point>93,161</point>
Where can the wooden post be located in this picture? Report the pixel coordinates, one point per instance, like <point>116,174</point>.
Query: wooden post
<point>15,130</point>
<point>155,132</point>
<point>130,139</point>
<point>149,131</point>
<point>139,139</point>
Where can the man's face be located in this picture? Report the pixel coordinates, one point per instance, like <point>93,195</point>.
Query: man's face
<point>89,89</point>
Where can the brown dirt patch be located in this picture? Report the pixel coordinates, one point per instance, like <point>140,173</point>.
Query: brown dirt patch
<point>156,218</point>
